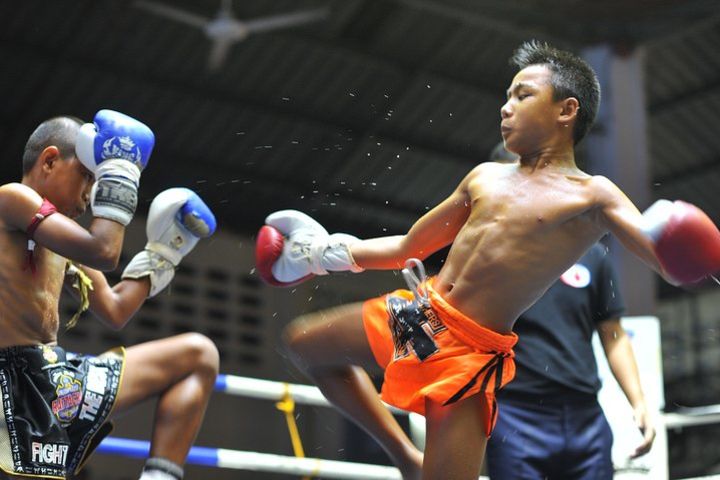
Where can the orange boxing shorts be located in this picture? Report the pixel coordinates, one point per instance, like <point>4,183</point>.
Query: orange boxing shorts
<point>436,352</point>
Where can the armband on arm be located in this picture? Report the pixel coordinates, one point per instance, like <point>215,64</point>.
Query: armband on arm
<point>46,209</point>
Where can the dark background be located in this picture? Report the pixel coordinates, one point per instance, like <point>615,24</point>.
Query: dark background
<point>366,118</point>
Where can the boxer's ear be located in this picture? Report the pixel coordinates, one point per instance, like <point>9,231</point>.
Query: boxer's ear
<point>569,108</point>
<point>48,158</point>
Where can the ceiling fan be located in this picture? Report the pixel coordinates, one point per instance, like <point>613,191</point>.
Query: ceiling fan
<point>224,30</point>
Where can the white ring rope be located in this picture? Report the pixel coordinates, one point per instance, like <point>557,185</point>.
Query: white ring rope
<point>309,395</point>
<point>275,391</point>
<point>264,462</point>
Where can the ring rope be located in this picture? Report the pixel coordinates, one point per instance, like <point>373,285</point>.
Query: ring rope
<point>310,395</point>
<point>258,462</point>
<point>275,391</point>
<point>303,466</point>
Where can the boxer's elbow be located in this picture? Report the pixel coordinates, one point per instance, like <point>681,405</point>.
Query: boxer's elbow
<point>115,315</point>
<point>104,258</point>
<point>116,323</point>
<point>410,248</point>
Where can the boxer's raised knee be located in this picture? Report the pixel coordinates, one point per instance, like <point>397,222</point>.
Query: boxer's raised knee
<point>295,335</point>
<point>202,353</point>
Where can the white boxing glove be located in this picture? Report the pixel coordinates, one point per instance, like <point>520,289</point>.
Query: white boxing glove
<point>293,247</point>
<point>177,219</point>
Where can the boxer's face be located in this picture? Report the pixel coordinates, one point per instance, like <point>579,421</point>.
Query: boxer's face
<point>529,117</point>
<point>69,185</point>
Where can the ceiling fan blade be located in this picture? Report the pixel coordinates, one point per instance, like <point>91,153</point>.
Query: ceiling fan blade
<point>218,53</point>
<point>274,22</point>
<point>172,13</point>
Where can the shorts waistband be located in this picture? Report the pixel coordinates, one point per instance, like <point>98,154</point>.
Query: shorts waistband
<point>467,330</point>
<point>36,356</point>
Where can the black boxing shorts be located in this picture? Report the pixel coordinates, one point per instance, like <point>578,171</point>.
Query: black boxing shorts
<point>55,407</point>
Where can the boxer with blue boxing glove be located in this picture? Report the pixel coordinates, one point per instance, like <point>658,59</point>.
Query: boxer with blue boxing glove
<point>66,166</point>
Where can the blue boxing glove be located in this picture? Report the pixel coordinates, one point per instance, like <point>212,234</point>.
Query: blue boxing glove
<point>177,220</point>
<point>115,148</point>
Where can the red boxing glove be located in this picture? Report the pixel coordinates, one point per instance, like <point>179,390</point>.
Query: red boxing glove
<point>292,247</point>
<point>268,248</point>
<point>687,242</point>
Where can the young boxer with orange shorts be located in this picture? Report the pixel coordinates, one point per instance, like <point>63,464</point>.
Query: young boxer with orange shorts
<point>446,344</point>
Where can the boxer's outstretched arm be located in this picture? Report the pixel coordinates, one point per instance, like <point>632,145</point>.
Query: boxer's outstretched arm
<point>622,218</point>
<point>433,231</point>
<point>676,239</point>
<point>292,247</point>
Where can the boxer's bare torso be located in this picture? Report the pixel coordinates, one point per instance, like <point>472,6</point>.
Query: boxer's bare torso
<point>28,300</point>
<point>514,229</point>
<point>526,226</point>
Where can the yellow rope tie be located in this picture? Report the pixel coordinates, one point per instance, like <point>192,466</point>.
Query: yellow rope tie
<point>316,469</point>
<point>287,406</point>
<point>83,284</point>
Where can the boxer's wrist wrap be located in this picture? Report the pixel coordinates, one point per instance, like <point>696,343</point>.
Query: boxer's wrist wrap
<point>114,195</point>
<point>338,258</point>
<point>165,251</point>
<point>153,265</point>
